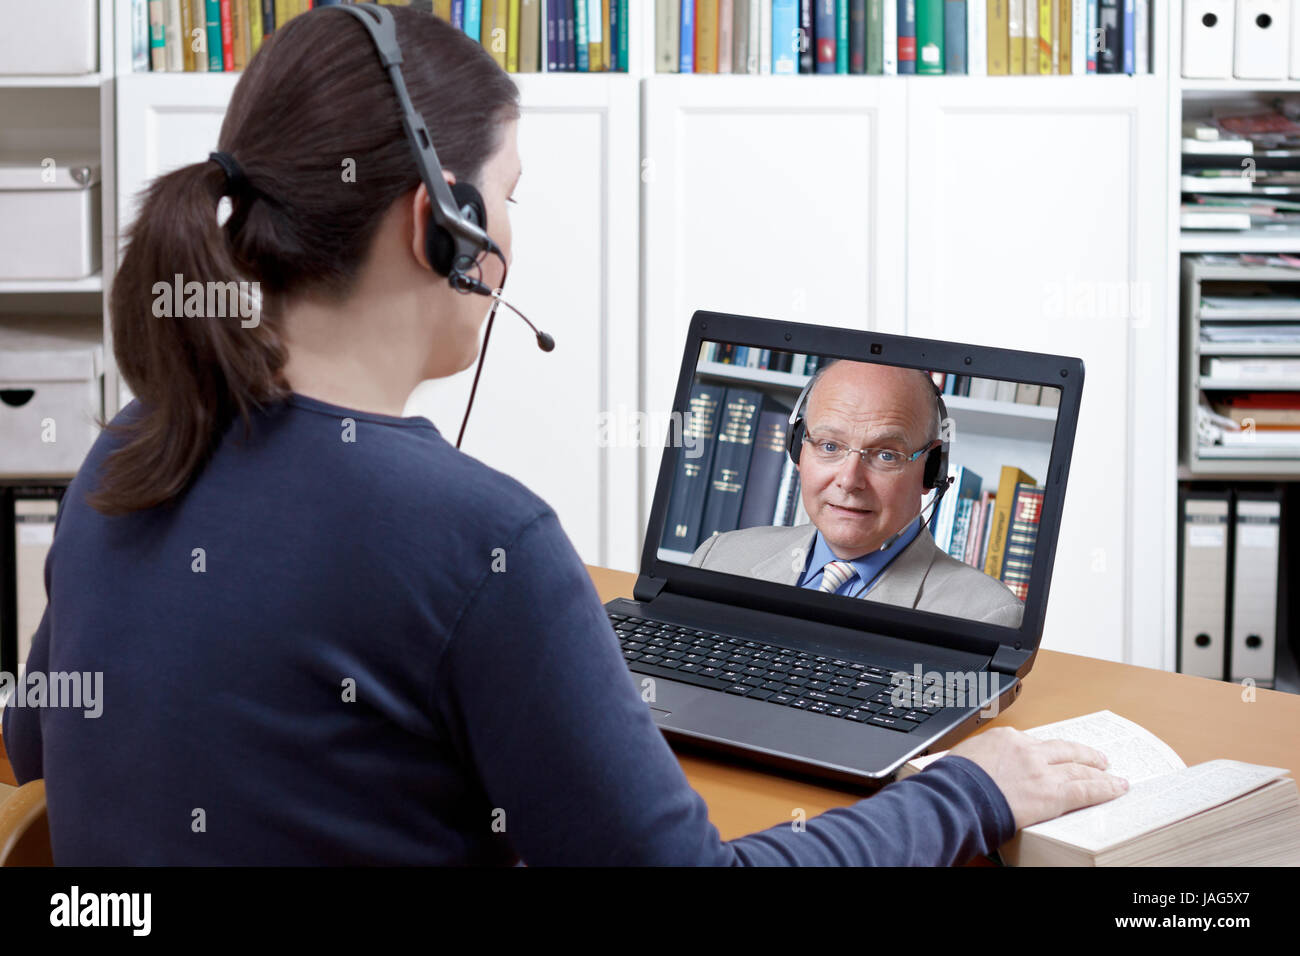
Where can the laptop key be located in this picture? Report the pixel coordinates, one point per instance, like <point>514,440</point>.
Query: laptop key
<point>759,693</point>
<point>739,689</point>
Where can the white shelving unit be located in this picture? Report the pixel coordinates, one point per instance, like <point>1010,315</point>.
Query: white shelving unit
<point>62,116</point>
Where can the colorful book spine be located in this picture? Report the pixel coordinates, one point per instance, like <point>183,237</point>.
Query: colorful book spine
<point>268,17</point>
<point>954,36</point>
<point>929,37</point>
<point>686,55</point>
<point>1046,30</point>
<point>580,34</point>
<point>824,32</point>
<point>841,36</point>
<point>906,36</point>
<point>512,36</point>
<point>1090,37</point>
<point>595,36</point>
<point>1023,536</point>
<point>875,49</point>
<point>622,35</point>
<point>227,38</point>
<point>807,36</point>
<point>997,38</point>
<point>212,23</point>
<point>785,36</point>
<point>458,14</point>
<point>473,22</point>
<point>726,23</point>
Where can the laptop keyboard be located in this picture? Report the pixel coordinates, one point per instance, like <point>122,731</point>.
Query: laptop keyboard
<point>778,675</point>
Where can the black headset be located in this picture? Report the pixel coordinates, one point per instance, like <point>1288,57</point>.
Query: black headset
<point>457,236</point>
<point>936,462</point>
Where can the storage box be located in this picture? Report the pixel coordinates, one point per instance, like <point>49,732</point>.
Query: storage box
<point>49,37</point>
<point>51,393</point>
<point>49,218</point>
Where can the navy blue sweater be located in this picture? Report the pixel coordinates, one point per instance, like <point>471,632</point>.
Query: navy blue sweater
<point>384,652</point>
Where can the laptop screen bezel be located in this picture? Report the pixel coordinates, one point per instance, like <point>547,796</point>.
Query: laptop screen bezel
<point>931,355</point>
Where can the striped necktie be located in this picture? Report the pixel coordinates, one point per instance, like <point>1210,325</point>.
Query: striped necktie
<point>835,574</point>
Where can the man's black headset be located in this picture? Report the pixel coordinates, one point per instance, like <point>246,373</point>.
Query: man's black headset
<point>457,235</point>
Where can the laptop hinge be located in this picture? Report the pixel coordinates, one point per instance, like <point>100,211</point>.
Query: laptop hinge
<point>1008,660</point>
<point>647,587</point>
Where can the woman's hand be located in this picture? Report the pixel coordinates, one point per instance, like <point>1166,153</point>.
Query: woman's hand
<point>1041,779</point>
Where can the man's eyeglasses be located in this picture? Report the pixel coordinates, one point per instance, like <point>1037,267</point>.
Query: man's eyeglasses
<point>885,461</point>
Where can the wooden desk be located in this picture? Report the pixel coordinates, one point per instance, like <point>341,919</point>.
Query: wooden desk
<point>1201,719</point>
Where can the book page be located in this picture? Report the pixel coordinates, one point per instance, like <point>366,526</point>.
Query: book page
<point>1134,752</point>
<point>1156,802</point>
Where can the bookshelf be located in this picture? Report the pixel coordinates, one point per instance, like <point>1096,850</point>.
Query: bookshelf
<point>67,118</point>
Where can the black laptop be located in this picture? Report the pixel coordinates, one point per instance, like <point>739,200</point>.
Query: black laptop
<point>839,579</point>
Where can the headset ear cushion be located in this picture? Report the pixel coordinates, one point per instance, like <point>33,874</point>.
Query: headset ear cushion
<point>933,460</point>
<point>470,203</point>
<point>794,440</point>
<point>439,246</point>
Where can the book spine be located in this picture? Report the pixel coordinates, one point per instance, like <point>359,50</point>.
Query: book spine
<point>172,36</point>
<point>238,39</point>
<point>740,37</point>
<point>858,36</point>
<point>824,33</point>
<point>212,20</point>
<point>139,36</point>
<point>764,39</point>
<point>198,34</point>
<point>580,40</point>
<point>1109,25</point>
<point>1078,30</point>
<point>706,36</point>
<point>954,36</point>
<point>686,51</point>
<point>1016,37</point>
<point>623,52</point>
<point>726,23</point>
<point>1128,35</point>
<point>841,36</point>
<point>256,31</point>
<point>1061,48</point>
<point>530,25</point>
<point>473,22</point>
<point>512,36</point>
<point>186,39</point>
<point>875,38</point>
<point>998,40</point>
<point>571,35</point>
<point>268,17</point>
<point>785,36</point>
<point>888,37</point>
<point>458,14</point>
<point>929,36</point>
<point>1091,37</point>
<point>977,38</point>
<point>227,38</point>
<point>1045,29</point>
<point>807,36</point>
<point>157,37</point>
<point>595,36</point>
<point>906,36</point>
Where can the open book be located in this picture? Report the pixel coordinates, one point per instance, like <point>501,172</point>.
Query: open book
<point>1219,813</point>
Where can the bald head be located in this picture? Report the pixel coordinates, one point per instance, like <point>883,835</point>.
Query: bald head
<point>869,374</point>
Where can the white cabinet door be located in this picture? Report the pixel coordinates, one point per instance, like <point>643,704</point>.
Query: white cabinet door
<point>780,197</point>
<point>1036,218</point>
<point>538,417</point>
<point>542,417</point>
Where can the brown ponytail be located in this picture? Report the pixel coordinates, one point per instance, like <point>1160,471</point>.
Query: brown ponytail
<point>314,125</point>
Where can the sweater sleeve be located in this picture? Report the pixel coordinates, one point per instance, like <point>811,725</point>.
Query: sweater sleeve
<point>535,693</point>
<point>22,725</point>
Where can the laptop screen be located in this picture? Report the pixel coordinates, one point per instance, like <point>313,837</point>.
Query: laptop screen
<point>917,488</point>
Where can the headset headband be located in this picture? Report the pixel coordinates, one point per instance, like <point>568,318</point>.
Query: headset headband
<point>470,241</point>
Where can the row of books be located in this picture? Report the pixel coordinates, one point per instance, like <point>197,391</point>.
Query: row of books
<point>993,531</point>
<point>775,360</point>
<point>993,390</point>
<point>977,37</point>
<point>524,36</point>
<point>735,472</point>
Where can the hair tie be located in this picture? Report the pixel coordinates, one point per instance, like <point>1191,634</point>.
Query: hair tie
<point>236,182</point>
